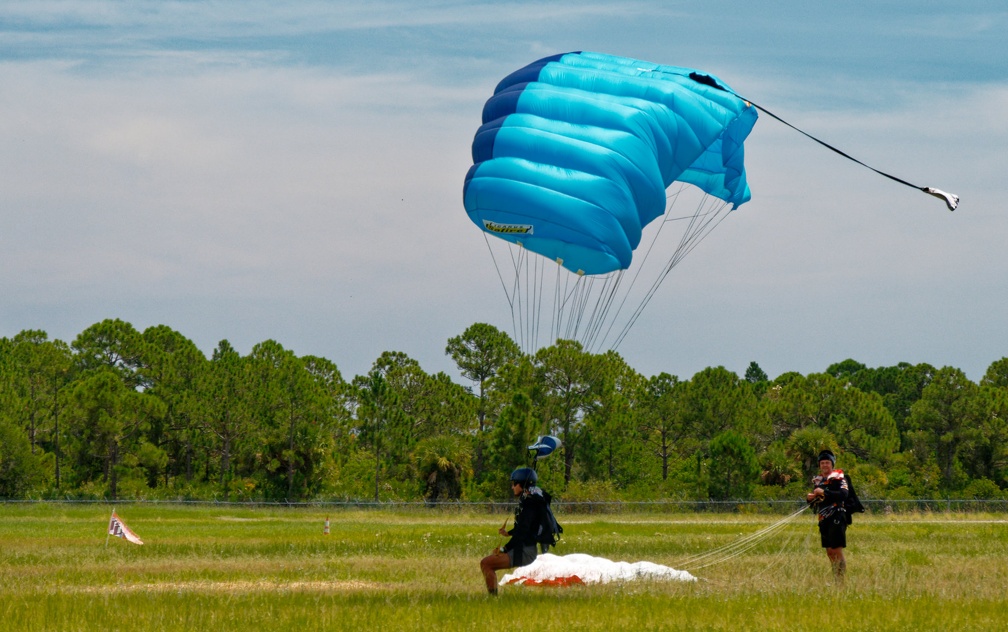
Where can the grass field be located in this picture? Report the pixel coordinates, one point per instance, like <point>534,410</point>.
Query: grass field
<point>222,568</point>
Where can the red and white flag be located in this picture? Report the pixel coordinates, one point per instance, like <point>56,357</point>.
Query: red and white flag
<point>119,529</point>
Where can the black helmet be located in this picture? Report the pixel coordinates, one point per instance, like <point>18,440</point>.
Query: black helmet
<point>526,476</point>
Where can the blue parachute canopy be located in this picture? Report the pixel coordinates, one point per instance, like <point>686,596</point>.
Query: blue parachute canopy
<point>576,151</point>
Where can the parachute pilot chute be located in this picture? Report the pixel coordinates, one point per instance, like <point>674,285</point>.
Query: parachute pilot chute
<point>545,446</point>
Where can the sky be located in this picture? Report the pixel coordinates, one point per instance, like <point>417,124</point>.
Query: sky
<point>257,170</point>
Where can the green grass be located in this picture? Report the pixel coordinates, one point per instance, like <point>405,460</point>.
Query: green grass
<point>272,568</point>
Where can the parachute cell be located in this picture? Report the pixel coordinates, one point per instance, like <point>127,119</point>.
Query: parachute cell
<point>576,152</point>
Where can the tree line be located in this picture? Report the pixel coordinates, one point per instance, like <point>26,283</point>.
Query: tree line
<point>124,414</point>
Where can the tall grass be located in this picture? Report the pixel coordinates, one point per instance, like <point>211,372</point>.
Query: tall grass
<point>234,567</point>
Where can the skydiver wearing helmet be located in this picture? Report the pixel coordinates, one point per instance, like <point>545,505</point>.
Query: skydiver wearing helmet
<point>834,499</point>
<point>520,550</point>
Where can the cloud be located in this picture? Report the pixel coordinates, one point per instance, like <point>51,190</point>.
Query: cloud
<point>295,173</point>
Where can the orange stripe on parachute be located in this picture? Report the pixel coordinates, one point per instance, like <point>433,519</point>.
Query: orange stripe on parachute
<point>572,580</point>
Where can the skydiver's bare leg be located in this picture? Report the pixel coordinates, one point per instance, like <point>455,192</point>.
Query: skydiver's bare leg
<point>490,565</point>
<point>839,564</point>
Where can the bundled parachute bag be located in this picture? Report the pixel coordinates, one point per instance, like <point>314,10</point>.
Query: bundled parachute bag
<point>550,530</point>
<point>852,504</point>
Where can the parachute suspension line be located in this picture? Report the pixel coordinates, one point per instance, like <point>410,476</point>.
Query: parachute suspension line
<point>597,289</point>
<point>562,300</point>
<point>606,301</point>
<point>789,544</point>
<point>583,292</point>
<point>520,262</point>
<point>507,294</point>
<point>576,307</point>
<point>713,216</point>
<point>710,218</point>
<point>557,307</point>
<point>708,214</point>
<point>516,286</point>
<point>588,309</point>
<point>531,310</point>
<point>697,231</point>
<point>529,297</point>
<point>739,550</point>
<point>672,198</point>
<point>523,314</point>
<point>540,275</point>
<point>572,305</point>
<point>738,547</point>
<point>527,282</point>
<point>597,312</point>
<point>510,296</point>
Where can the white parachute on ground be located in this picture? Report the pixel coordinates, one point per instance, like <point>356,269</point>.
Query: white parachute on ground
<point>578,568</point>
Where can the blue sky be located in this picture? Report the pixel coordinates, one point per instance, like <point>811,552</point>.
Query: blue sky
<point>255,171</point>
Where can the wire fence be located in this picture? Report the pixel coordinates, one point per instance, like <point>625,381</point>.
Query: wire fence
<point>889,506</point>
